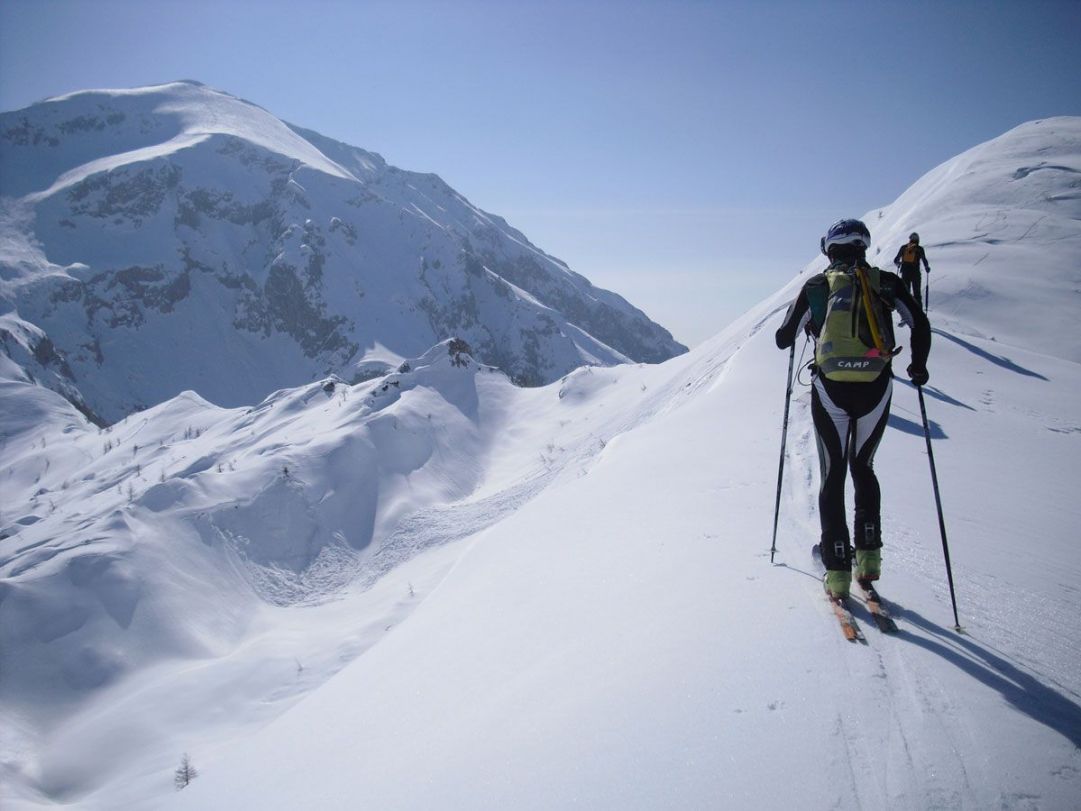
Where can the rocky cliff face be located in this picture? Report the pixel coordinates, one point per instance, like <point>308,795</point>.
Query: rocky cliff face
<point>175,237</point>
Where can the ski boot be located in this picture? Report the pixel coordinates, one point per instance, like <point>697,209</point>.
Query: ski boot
<point>837,584</point>
<point>868,567</point>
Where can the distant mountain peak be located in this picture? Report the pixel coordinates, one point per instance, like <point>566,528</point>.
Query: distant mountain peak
<point>175,237</point>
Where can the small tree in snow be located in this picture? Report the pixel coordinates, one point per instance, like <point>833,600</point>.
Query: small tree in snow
<point>184,773</point>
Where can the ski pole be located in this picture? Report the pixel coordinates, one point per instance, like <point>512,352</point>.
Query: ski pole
<point>784,438</point>
<point>938,504</point>
<point>927,293</point>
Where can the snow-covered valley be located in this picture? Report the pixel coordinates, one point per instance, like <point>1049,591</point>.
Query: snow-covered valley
<point>437,589</point>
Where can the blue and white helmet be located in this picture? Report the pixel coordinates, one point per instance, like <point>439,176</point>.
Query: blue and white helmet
<point>846,232</point>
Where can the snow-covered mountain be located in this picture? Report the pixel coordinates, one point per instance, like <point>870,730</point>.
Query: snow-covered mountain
<point>437,589</point>
<point>175,237</point>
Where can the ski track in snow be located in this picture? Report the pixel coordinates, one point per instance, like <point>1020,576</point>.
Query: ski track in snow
<point>902,732</point>
<point>920,736</point>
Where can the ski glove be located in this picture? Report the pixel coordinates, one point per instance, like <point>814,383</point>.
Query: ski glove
<point>918,374</point>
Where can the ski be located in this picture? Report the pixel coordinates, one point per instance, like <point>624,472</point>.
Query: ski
<point>878,609</point>
<point>849,627</point>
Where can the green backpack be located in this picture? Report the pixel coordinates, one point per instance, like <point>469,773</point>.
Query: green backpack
<point>855,329</point>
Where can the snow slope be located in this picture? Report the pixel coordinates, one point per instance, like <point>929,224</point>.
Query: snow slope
<point>175,237</point>
<point>492,597</point>
<point>1006,210</point>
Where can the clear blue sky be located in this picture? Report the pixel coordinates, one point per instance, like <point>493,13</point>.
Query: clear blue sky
<point>685,154</point>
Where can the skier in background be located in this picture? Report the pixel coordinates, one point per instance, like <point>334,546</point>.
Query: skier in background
<point>851,390</point>
<point>908,260</point>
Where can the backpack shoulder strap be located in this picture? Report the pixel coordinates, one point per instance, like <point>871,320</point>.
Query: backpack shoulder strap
<point>874,276</point>
<point>817,290</point>
<point>876,309</point>
<point>880,281</point>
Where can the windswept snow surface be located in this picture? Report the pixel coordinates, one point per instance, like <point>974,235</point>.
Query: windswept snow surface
<point>436,590</point>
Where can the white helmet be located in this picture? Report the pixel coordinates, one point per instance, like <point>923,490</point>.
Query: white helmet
<point>846,232</point>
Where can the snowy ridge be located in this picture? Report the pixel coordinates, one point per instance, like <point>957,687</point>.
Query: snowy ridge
<point>1001,221</point>
<point>436,589</point>
<point>171,117</point>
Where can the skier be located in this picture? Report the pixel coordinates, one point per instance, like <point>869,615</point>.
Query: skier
<point>848,309</point>
<point>908,260</point>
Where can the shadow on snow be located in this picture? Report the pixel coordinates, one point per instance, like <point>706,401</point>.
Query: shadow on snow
<point>998,360</point>
<point>940,395</point>
<point>914,428</point>
<point>1041,703</point>
<point>1024,691</point>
